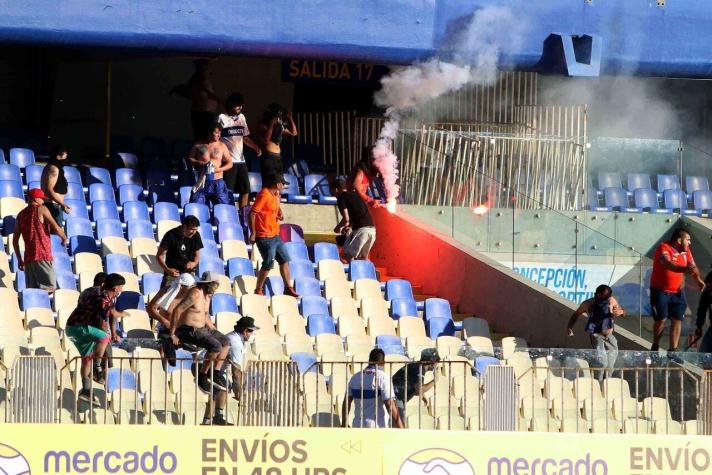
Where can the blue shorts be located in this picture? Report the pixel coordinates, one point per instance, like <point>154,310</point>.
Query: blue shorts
<point>214,191</point>
<point>271,249</point>
<point>667,305</point>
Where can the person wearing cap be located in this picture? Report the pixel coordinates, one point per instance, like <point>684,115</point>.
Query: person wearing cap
<point>243,330</point>
<point>264,218</point>
<point>34,224</point>
<point>410,379</point>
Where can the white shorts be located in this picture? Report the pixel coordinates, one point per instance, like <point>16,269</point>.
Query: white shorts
<point>359,243</point>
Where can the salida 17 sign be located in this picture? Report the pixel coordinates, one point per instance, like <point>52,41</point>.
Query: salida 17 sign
<point>302,70</point>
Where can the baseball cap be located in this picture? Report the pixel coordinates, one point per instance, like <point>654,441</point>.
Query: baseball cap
<point>36,193</point>
<point>186,280</point>
<point>246,323</point>
<point>429,355</point>
<point>209,277</point>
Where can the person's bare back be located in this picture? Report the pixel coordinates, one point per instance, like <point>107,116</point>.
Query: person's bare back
<point>192,311</point>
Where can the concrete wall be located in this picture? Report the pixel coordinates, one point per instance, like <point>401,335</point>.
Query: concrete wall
<point>477,284</point>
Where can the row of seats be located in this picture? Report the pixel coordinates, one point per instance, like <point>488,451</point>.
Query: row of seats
<point>645,199</point>
<point>637,181</point>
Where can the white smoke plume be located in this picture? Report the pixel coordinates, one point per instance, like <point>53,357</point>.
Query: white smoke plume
<point>477,51</point>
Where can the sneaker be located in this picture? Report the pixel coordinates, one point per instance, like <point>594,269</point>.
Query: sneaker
<point>218,380</point>
<point>220,421</point>
<point>655,347</point>
<point>259,292</point>
<point>86,396</point>
<point>99,377</point>
<point>291,292</point>
<point>204,383</point>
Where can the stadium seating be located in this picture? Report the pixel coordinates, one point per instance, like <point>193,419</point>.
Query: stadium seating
<point>22,157</point>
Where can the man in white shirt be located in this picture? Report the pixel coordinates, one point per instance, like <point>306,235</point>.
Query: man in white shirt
<point>234,132</point>
<point>236,357</point>
<point>372,392</point>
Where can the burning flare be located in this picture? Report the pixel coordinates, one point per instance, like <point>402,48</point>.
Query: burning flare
<point>481,210</point>
<point>391,205</point>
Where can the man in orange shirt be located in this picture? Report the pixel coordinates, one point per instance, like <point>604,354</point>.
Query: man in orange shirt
<point>672,260</point>
<point>265,234</point>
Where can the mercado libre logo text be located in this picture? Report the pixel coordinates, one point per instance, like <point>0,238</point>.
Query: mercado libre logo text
<point>432,461</point>
<point>13,462</point>
<point>111,461</point>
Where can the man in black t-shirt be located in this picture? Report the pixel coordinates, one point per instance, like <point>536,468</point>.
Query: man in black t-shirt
<point>356,222</point>
<point>410,379</point>
<point>179,251</point>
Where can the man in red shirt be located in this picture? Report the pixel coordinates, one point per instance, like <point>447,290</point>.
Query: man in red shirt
<point>672,260</point>
<point>265,234</point>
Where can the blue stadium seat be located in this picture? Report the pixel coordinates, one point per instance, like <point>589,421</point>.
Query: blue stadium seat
<point>609,180</point>
<point>62,262</point>
<point>437,308</point>
<point>34,184</point>
<point>127,176</point>
<point>676,199</point>
<point>78,209</point>
<point>72,175</point>
<point>616,199</point>
<point>390,344</point>
<point>66,280</point>
<point>325,250</point>
<point>436,327</point>
<point>78,227</point>
<point>668,182</point>
<point>184,360</point>
<point>75,191</point>
<point>120,378</point>
<point>399,289</point>
<point>20,284</point>
<point>237,266</point>
<point>274,286</point>
<point>361,269</point>
<point>314,305</point>
<point>57,246</point>
<point>647,200</point>
<point>32,298</point>
<point>593,201</point>
<point>22,157</point>
<point>130,300</point>
<point>228,231</point>
<point>207,264</point>
<point>129,160</point>
<point>139,228</point>
<point>108,227</point>
<point>184,193</point>
<point>164,210</point>
<point>135,210</point>
<point>223,303</point>
<point>225,214</point>
<point>638,180</point>
<point>206,232</point>
<point>307,287</point>
<point>162,193</point>
<point>696,183</point>
<point>128,193</point>
<point>483,362</point>
<point>210,250</point>
<point>200,211</point>
<point>10,173</point>
<point>33,173</point>
<point>318,185</point>
<point>299,268</point>
<point>292,192</point>
<point>118,263</point>
<point>318,324</point>
<point>8,225</point>
<point>158,177</point>
<point>702,200</point>
<point>11,189</point>
<point>96,175</point>
<point>151,282</point>
<point>297,251</point>
<point>2,156</point>
<point>101,192</point>
<point>255,182</point>
<point>82,243</point>
<point>104,209</point>
<point>306,362</point>
<point>403,307</point>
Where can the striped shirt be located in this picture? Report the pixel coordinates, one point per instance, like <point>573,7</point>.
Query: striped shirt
<point>369,389</point>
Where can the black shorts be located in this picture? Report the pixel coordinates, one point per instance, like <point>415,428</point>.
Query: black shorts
<point>210,339</point>
<point>237,179</point>
<point>270,167</point>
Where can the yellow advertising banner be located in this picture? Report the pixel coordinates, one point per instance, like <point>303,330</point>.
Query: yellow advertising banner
<point>70,449</point>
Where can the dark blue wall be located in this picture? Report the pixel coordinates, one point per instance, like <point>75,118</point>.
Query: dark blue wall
<point>638,36</point>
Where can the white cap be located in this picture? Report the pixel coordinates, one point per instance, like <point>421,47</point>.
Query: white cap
<point>186,280</point>
<point>209,277</point>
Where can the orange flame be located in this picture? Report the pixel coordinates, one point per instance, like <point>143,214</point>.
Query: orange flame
<point>391,206</point>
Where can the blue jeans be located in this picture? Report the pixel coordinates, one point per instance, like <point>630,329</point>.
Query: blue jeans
<point>272,248</point>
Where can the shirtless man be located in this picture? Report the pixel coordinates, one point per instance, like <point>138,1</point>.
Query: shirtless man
<point>211,157</point>
<point>191,324</point>
<point>276,122</point>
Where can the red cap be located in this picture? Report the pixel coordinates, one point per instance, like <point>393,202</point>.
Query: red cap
<point>36,193</point>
